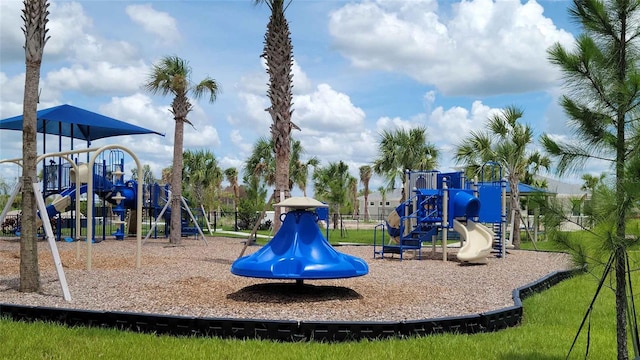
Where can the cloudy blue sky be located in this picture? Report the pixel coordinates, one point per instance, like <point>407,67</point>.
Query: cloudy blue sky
<point>360,67</point>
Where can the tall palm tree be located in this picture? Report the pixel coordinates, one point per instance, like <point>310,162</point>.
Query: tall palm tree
<point>200,170</point>
<point>353,194</point>
<point>383,198</point>
<point>278,54</point>
<point>365,177</point>
<point>232,177</point>
<point>172,75</point>
<point>401,150</point>
<point>299,170</point>
<point>504,142</point>
<point>35,30</point>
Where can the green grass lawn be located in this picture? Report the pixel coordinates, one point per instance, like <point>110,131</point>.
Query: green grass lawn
<point>551,320</point>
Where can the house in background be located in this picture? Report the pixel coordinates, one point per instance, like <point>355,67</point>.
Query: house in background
<point>573,199</point>
<point>378,209</point>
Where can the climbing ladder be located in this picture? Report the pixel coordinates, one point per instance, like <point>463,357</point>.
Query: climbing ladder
<point>497,239</point>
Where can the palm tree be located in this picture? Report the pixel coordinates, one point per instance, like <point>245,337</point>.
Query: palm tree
<point>603,83</point>
<point>331,184</point>
<point>35,30</point>
<point>591,182</point>
<point>353,194</point>
<point>232,177</point>
<point>401,150</point>
<point>167,174</point>
<point>172,75</point>
<point>147,174</point>
<point>299,170</point>
<point>255,190</point>
<point>383,198</point>
<point>262,163</point>
<point>505,142</point>
<point>365,177</point>
<point>200,171</point>
<point>278,53</point>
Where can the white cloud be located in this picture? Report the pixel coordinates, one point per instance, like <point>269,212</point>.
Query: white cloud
<point>227,162</point>
<point>138,109</point>
<point>238,140</point>
<point>388,123</point>
<point>101,77</point>
<point>11,94</point>
<point>327,111</point>
<point>331,125</point>
<point>486,47</point>
<point>445,128</point>
<point>301,83</point>
<point>155,22</point>
<point>68,27</point>
<point>11,36</point>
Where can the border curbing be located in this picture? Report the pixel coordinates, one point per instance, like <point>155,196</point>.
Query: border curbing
<point>288,330</point>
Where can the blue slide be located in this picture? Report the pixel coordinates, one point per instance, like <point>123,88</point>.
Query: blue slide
<point>102,186</point>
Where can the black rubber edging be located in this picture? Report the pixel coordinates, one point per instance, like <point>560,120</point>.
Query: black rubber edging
<point>279,330</point>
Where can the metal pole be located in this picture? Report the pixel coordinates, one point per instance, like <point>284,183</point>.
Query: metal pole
<point>46,223</point>
<point>503,223</point>
<point>445,217</point>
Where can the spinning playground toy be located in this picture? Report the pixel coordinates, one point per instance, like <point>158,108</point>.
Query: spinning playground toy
<point>299,251</point>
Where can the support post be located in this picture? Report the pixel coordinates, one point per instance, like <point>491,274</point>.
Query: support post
<point>206,219</point>
<point>155,223</point>
<point>184,202</point>
<point>255,227</point>
<point>445,217</point>
<point>503,223</point>
<point>46,223</point>
<point>7,206</point>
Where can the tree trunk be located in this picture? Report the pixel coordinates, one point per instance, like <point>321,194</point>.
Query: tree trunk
<point>366,203</point>
<point>621,302</point>
<point>29,272</point>
<point>620,265</point>
<point>282,186</point>
<point>176,184</point>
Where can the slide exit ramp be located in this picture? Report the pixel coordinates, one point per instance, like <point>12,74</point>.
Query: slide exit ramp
<point>478,241</point>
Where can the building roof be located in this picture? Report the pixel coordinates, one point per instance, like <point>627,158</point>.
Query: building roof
<point>563,188</point>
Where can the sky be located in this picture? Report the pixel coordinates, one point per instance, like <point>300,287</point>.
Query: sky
<point>360,67</point>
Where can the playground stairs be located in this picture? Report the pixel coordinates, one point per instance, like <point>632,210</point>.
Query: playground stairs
<point>412,241</point>
<point>497,239</point>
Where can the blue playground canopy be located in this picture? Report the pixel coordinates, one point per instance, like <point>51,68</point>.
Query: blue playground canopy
<point>77,123</point>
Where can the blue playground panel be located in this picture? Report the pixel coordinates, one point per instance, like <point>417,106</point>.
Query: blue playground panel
<point>491,197</point>
<point>299,252</point>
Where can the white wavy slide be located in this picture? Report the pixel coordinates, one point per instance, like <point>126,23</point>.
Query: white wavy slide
<point>478,241</point>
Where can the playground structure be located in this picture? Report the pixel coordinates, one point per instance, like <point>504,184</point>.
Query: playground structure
<point>443,202</point>
<point>66,183</point>
<point>83,179</point>
<point>299,251</point>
